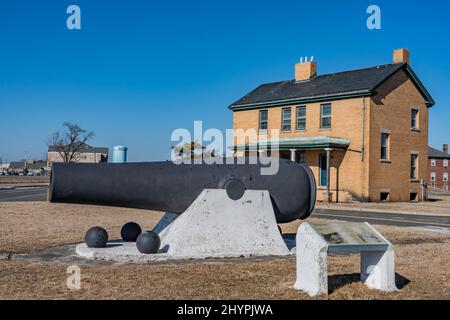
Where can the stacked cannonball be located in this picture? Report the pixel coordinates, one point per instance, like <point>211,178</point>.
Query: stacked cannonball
<point>146,242</point>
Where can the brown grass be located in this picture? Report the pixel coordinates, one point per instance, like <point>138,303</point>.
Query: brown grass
<point>32,226</point>
<point>422,259</point>
<point>423,265</point>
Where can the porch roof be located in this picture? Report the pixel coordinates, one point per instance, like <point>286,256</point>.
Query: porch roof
<point>299,143</point>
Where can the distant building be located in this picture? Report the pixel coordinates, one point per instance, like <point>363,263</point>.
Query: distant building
<point>438,167</point>
<point>85,154</point>
<point>28,167</point>
<point>4,167</point>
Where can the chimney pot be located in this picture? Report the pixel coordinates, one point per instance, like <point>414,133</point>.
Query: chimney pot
<point>445,148</point>
<point>401,55</point>
<point>305,71</point>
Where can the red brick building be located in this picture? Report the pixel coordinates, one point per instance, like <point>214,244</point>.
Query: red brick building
<point>439,168</point>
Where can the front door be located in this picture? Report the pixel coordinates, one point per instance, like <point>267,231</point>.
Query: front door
<point>323,177</point>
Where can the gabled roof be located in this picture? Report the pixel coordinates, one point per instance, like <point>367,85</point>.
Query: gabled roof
<point>437,154</point>
<point>84,149</point>
<point>355,83</point>
<point>13,165</point>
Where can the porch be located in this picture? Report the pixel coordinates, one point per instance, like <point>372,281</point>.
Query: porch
<point>322,154</point>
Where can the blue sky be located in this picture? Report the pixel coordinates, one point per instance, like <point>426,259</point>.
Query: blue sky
<point>137,70</point>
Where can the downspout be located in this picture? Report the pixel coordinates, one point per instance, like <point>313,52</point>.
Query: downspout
<point>363,126</point>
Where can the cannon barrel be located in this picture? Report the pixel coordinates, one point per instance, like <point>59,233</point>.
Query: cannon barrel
<point>165,186</point>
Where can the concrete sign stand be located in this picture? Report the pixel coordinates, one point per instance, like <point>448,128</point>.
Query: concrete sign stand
<point>316,240</point>
<point>214,226</point>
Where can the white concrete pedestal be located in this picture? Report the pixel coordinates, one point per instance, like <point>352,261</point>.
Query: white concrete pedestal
<point>378,269</point>
<point>214,226</point>
<point>377,261</point>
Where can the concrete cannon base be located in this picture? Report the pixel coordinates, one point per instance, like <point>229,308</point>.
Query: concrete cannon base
<point>214,226</point>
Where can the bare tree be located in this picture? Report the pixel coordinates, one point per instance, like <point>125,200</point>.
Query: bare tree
<point>70,141</point>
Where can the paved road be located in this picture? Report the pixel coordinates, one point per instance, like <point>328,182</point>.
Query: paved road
<point>392,219</point>
<point>24,194</point>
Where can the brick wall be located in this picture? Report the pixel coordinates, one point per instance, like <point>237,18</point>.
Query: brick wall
<point>390,110</point>
<point>348,171</point>
<point>81,158</point>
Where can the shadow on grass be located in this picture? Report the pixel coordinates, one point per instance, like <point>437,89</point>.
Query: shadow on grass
<point>401,281</point>
<point>336,282</point>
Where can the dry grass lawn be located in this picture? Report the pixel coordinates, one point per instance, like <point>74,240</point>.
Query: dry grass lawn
<point>32,226</point>
<point>422,263</point>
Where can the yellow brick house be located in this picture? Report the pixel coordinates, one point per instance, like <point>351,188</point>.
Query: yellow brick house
<point>364,133</point>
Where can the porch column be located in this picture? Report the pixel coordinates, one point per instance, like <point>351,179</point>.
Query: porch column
<point>293,153</point>
<point>328,194</point>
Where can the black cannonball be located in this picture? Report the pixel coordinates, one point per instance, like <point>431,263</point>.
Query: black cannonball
<point>130,231</point>
<point>148,242</point>
<point>96,237</point>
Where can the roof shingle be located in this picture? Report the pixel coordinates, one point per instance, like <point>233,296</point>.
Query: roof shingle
<point>362,81</point>
<point>437,154</point>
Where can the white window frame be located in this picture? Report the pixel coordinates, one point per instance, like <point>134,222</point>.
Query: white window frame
<point>327,116</point>
<point>416,119</point>
<point>416,166</point>
<point>433,176</point>
<point>445,163</point>
<point>433,162</point>
<point>263,121</point>
<point>388,137</point>
<point>285,120</point>
<point>298,118</point>
<point>445,176</point>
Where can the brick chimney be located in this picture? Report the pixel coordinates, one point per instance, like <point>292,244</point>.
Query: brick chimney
<point>305,70</point>
<point>445,148</point>
<point>401,55</point>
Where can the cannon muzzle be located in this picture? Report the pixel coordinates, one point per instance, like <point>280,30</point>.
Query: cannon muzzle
<point>165,186</point>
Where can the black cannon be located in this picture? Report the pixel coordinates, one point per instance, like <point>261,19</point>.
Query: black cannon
<point>165,186</point>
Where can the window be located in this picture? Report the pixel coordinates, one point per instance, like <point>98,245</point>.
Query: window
<point>433,162</point>
<point>384,196</point>
<point>413,196</point>
<point>325,116</point>
<point>446,163</point>
<point>414,166</point>
<point>414,119</point>
<point>286,119</point>
<point>263,120</point>
<point>433,176</point>
<point>446,188</point>
<point>323,172</point>
<point>300,157</point>
<point>445,176</point>
<point>301,118</point>
<point>384,146</point>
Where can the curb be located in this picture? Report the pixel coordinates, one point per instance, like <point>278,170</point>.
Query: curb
<point>323,207</point>
<point>21,186</point>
